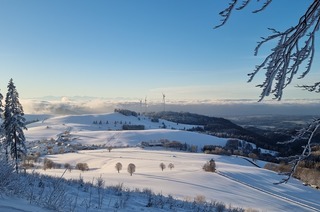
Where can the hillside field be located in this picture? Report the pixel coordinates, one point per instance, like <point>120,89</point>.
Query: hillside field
<point>237,182</point>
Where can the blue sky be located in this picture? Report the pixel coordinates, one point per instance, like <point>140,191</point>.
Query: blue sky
<point>136,48</point>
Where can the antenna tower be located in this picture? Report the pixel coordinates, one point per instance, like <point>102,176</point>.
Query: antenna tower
<point>164,102</point>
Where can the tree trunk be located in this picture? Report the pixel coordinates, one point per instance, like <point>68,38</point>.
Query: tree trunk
<point>16,150</point>
<point>7,154</point>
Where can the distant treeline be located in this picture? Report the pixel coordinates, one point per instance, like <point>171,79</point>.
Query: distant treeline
<point>126,112</point>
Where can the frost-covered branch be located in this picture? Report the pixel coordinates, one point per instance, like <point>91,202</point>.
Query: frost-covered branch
<point>315,87</point>
<point>304,134</point>
<point>294,46</point>
<point>226,13</point>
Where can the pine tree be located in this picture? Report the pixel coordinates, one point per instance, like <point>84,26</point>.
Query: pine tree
<point>13,125</point>
<point>1,106</point>
<point>1,129</point>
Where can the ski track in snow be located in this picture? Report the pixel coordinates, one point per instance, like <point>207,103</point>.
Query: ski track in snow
<point>288,198</point>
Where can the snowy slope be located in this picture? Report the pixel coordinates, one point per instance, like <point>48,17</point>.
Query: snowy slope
<point>11,204</point>
<point>237,181</point>
<point>110,121</point>
<point>82,130</point>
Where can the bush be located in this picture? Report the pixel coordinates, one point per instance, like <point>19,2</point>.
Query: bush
<point>171,144</point>
<point>48,164</point>
<point>82,166</point>
<point>68,166</point>
<point>253,156</point>
<point>6,173</point>
<point>210,166</point>
<point>200,199</point>
<point>25,165</point>
<point>308,176</point>
<point>57,165</point>
<point>171,166</point>
<point>271,166</point>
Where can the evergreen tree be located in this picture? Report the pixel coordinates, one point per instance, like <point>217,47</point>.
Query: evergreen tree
<point>13,125</point>
<point>1,129</point>
<point>1,106</point>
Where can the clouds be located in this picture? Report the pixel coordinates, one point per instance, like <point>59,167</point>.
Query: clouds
<point>65,106</point>
<point>219,108</point>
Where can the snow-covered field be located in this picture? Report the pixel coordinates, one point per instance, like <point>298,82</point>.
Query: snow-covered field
<point>237,181</point>
<point>81,130</point>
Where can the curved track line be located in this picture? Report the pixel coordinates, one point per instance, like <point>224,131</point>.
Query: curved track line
<point>270,193</point>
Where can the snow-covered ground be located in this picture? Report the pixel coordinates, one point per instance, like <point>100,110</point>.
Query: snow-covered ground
<point>82,130</point>
<point>237,181</point>
<point>11,204</point>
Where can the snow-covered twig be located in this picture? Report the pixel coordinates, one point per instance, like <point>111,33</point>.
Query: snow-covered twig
<point>305,133</point>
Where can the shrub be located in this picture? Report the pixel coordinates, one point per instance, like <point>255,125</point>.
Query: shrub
<point>171,166</point>
<point>28,161</point>
<point>82,166</point>
<point>209,166</point>
<point>25,165</point>
<point>271,166</point>
<point>48,164</point>
<point>68,166</point>
<point>57,165</point>
<point>6,173</point>
<point>283,167</point>
<point>200,199</point>
<point>253,156</point>
<point>171,144</point>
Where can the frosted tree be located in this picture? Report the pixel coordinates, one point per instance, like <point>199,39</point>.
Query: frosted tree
<point>162,166</point>
<point>1,129</point>
<point>131,168</point>
<point>1,106</point>
<point>13,125</point>
<point>171,166</point>
<point>294,47</point>
<point>118,167</point>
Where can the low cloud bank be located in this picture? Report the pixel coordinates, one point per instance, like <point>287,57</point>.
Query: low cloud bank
<point>219,108</point>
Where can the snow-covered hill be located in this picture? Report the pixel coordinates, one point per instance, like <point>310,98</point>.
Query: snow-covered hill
<point>87,130</point>
<point>237,181</point>
<point>109,121</point>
